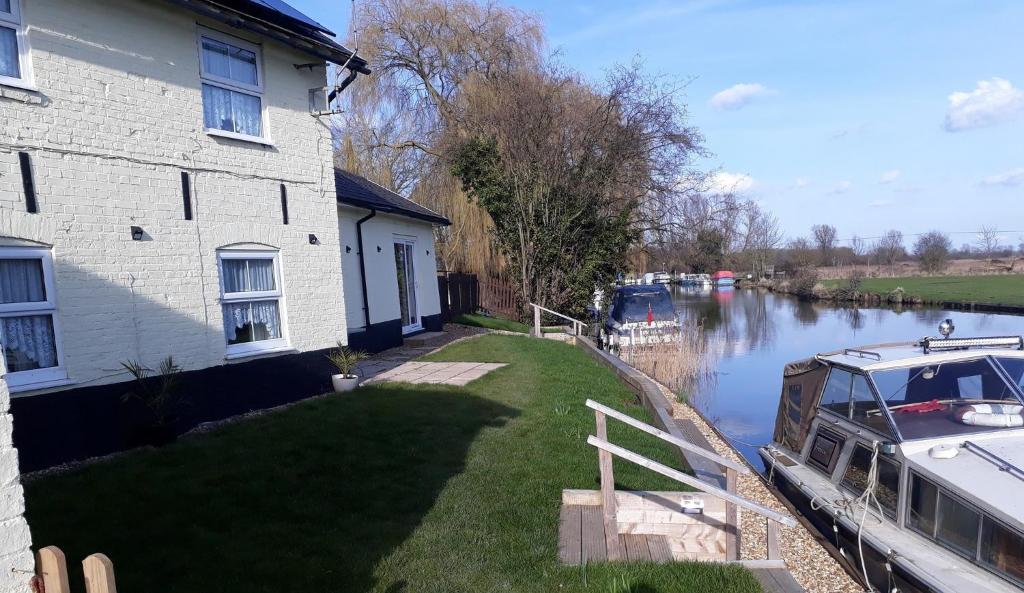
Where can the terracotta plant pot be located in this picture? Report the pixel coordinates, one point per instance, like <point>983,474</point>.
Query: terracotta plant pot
<point>343,383</point>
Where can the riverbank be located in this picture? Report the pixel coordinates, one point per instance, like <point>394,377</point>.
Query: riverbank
<point>999,293</point>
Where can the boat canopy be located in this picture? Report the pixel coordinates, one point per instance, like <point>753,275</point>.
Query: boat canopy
<point>631,304</point>
<point>722,274</point>
<point>802,381</point>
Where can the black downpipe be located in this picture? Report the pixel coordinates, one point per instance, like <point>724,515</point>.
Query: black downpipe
<point>362,265</point>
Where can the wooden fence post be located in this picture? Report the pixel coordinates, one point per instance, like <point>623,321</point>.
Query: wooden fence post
<point>99,574</point>
<point>608,505</point>
<point>773,540</point>
<point>732,523</point>
<point>52,568</point>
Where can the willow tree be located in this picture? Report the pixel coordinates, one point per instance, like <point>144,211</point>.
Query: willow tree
<point>425,54</point>
<point>571,173</point>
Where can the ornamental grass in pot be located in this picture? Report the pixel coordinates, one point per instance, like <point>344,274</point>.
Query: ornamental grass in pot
<point>345,359</point>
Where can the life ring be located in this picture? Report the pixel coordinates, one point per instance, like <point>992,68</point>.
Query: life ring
<point>995,415</point>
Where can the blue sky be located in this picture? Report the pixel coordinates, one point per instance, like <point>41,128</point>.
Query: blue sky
<point>865,115</point>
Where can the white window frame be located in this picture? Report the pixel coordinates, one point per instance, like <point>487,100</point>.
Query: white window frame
<point>14,20</point>
<point>233,85</point>
<point>38,378</point>
<point>263,346</point>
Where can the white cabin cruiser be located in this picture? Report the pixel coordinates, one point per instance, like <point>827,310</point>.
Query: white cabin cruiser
<point>907,458</point>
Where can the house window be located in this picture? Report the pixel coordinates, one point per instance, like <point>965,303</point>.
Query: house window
<point>28,324</point>
<point>13,45</point>
<point>232,81</point>
<point>252,301</point>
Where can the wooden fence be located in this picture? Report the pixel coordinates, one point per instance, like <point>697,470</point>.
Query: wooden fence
<point>466,293</point>
<point>52,573</point>
<point>500,298</point>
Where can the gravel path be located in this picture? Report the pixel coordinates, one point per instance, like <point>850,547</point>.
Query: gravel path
<point>812,566</point>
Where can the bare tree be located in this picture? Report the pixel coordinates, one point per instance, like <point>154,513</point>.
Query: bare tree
<point>889,248</point>
<point>988,241</point>
<point>801,254</point>
<point>859,247</point>
<point>825,239</point>
<point>763,237</point>
<point>932,249</point>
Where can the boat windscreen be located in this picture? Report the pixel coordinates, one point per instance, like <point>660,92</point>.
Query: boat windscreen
<point>634,307</point>
<point>948,399</point>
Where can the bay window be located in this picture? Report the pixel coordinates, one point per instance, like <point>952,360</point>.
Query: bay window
<point>232,81</point>
<point>13,45</point>
<point>251,298</point>
<point>29,330</point>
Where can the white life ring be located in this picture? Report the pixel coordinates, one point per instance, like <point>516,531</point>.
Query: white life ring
<point>995,415</point>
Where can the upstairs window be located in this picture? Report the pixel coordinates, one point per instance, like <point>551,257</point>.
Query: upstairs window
<point>251,300</point>
<point>232,80</point>
<point>13,45</point>
<point>28,325</point>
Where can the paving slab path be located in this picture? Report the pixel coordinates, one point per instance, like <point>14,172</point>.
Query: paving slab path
<point>444,373</point>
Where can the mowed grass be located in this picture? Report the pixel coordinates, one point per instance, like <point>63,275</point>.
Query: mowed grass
<point>997,290</point>
<point>391,488</point>
<point>491,323</point>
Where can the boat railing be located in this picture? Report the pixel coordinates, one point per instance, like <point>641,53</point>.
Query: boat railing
<point>606,451</point>
<point>576,324</point>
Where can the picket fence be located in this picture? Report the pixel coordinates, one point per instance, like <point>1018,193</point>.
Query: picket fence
<point>52,573</point>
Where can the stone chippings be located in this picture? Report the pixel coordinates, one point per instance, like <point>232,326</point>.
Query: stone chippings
<point>812,566</point>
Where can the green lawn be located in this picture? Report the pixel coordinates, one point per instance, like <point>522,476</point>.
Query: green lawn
<point>391,488</point>
<point>492,323</point>
<point>1000,290</point>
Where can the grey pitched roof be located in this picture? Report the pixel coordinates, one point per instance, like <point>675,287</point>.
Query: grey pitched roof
<point>358,191</point>
<point>279,20</point>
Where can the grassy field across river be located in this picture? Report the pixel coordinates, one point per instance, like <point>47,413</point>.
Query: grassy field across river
<point>993,290</point>
<point>390,488</point>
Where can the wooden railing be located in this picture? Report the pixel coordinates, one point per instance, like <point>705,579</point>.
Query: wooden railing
<point>52,573</point>
<point>577,325</point>
<point>606,450</point>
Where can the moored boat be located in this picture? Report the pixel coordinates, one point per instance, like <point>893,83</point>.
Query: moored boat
<point>723,278</point>
<point>906,457</point>
<point>639,315</point>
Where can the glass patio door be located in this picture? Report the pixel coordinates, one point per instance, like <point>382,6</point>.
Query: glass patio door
<point>404,258</point>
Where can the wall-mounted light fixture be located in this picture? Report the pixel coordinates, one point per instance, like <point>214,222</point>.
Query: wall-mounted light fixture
<point>379,249</point>
<point>137,233</point>
<point>313,240</point>
<point>348,249</point>
<point>428,252</point>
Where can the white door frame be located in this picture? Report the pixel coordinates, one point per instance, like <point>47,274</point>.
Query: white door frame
<point>416,324</point>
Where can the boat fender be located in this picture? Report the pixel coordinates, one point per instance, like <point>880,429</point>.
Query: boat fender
<point>995,415</point>
<point>943,452</point>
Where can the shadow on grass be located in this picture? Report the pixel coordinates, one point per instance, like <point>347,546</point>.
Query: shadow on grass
<point>308,499</point>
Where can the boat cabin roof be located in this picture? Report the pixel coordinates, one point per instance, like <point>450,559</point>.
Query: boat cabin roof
<point>879,357</point>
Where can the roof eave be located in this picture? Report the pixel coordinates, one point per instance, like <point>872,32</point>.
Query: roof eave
<point>438,220</point>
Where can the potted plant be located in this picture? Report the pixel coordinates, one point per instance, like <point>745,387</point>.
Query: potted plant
<point>345,359</point>
<point>158,392</point>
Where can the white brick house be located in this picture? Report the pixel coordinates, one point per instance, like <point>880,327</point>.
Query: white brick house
<point>164,190</point>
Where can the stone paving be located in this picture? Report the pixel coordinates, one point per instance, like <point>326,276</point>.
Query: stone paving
<point>445,373</point>
<point>389,360</point>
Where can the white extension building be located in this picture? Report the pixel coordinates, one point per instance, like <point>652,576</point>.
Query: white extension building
<point>388,263</point>
<point>166,188</point>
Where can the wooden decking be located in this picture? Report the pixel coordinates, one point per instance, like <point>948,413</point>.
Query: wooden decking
<point>777,580</point>
<point>581,539</point>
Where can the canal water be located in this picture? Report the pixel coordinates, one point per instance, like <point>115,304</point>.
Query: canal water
<point>750,335</point>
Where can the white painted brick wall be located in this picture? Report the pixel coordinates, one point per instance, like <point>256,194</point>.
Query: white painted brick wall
<point>117,116</point>
<point>16,563</point>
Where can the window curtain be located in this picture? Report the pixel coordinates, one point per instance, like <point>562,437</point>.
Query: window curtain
<point>239,315</point>
<point>28,342</point>
<point>9,65</point>
<point>21,281</point>
<point>248,275</point>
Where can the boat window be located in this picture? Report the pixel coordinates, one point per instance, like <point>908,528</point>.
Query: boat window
<point>850,396</point>
<point>887,491</point>
<point>956,524</point>
<point>924,498</point>
<point>634,307</point>
<point>1015,368</point>
<point>1002,549</point>
<point>932,401</point>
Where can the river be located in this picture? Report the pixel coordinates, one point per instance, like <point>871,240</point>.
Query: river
<point>752,334</point>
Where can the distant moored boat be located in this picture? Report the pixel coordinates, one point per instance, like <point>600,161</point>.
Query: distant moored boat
<point>723,278</point>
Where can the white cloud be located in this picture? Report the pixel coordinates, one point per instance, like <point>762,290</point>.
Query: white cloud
<point>890,176</point>
<point>801,182</point>
<point>991,102</point>
<point>1011,178</point>
<point>841,188</point>
<point>739,95</point>
<point>725,182</point>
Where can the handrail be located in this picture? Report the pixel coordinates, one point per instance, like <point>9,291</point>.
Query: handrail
<point>577,325</point>
<point>679,476</point>
<point>681,443</point>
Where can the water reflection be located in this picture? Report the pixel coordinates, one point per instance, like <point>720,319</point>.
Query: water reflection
<point>750,335</point>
